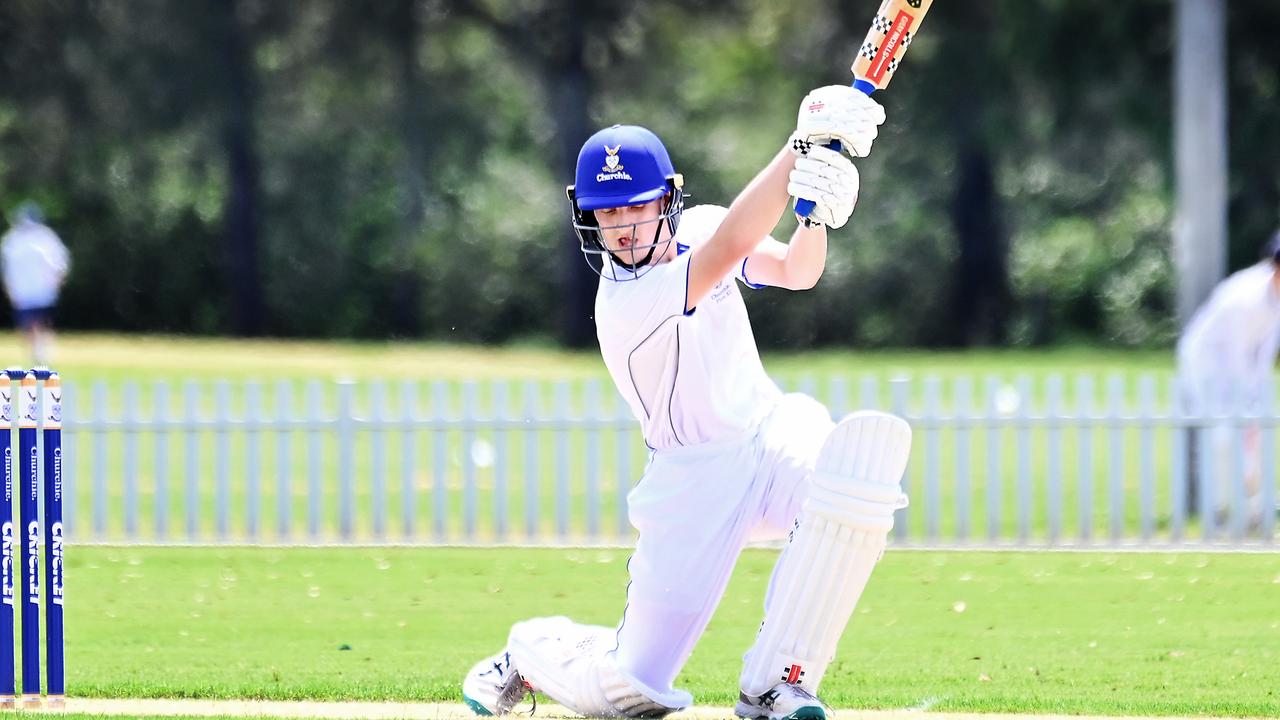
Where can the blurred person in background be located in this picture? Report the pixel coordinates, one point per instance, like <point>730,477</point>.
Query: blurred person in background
<point>1225,360</point>
<point>35,266</point>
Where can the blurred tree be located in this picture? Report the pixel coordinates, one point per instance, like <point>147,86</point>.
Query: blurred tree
<point>409,158</point>
<point>111,135</point>
<point>980,307</point>
<point>1253,96</point>
<point>232,36</point>
<point>404,23</point>
<point>382,44</point>
<point>552,38</point>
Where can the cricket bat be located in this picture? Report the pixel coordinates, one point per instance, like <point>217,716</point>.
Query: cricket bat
<point>892,29</point>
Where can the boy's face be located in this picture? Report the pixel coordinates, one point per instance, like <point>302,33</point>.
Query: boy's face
<point>628,232</point>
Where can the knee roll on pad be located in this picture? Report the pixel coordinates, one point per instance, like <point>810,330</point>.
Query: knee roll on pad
<point>839,536</point>
<point>858,504</point>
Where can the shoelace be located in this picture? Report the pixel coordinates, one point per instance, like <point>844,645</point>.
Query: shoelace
<point>515,691</point>
<point>801,692</point>
<point>770,698</point>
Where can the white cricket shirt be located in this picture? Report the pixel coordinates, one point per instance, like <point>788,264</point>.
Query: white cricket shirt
<point>35,261</point>
<point>1234,336</point>
<point>689,379</point>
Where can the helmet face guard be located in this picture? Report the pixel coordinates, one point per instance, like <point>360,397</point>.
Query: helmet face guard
<point>638,259</point>
<point>624,166</point>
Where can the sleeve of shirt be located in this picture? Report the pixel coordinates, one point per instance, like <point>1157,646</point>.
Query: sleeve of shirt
<point>741,274</point>
<point>59,256</point>
<point>1265,363</point>
<point>698,224</point>
<point>10,272</point>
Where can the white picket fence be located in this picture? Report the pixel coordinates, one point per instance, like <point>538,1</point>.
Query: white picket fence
<point>1046,461</point>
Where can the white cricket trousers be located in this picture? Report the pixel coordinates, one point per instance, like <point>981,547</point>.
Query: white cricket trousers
<point>696,508</point>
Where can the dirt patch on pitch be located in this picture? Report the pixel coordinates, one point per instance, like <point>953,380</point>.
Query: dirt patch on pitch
<point>452,711</point>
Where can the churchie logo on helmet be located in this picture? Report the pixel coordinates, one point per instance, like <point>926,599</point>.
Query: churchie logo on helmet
<point>611,161</point>
<point>613,169</point>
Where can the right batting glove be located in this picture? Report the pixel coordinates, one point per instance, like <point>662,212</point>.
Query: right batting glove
<point>830,180</point>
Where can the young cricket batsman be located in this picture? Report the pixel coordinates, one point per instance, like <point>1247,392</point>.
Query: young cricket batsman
<point>734,459</point>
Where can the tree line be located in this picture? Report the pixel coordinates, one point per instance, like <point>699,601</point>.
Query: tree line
<point>395,168</point>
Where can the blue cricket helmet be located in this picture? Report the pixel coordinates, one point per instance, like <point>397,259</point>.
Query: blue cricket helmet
<point>622,165</point>
<point>619,166</point>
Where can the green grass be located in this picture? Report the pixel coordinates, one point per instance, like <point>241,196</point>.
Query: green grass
<point>63,715</point>
<point>87,356</point>
<point>100,716</point>
<point>1159,634</point>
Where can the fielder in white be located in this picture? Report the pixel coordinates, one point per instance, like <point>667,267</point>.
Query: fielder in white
<point>35,266</point>
<point>1226,356</point>
<point>734,459</point>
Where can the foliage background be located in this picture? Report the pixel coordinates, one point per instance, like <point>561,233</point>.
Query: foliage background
<point>394,169</point>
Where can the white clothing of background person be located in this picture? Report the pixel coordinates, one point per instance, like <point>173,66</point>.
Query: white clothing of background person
<point>35,266</point>
<point>1226,356</point>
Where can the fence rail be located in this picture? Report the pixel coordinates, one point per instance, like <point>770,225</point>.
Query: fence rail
<point>1025,461</point>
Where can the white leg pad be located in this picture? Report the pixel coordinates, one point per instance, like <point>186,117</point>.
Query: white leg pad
<point>840,535</point>
<point>573,664</point>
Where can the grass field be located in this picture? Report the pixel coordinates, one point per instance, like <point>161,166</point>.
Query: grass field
<point>1075,633</point>
<point>1158,634</point>
<point>87,356</point>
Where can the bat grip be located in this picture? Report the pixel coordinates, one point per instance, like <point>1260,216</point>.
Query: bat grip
<point>804,207</point>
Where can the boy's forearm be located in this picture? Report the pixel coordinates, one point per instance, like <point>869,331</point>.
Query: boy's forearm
<point>757,209</point>
<point>806,256</point>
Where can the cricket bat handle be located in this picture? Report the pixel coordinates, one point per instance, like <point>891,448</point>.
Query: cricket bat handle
<point>804,207</point>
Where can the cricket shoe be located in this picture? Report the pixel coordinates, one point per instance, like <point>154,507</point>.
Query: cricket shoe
<point>784,702</point>
<point>493,687</point>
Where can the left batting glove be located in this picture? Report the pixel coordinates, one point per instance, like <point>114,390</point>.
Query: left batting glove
<point>830,180</point>
<point>837,112</point>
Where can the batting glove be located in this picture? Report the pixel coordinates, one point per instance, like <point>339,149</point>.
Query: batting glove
<point>837,112</point>
<point>830,180</point>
